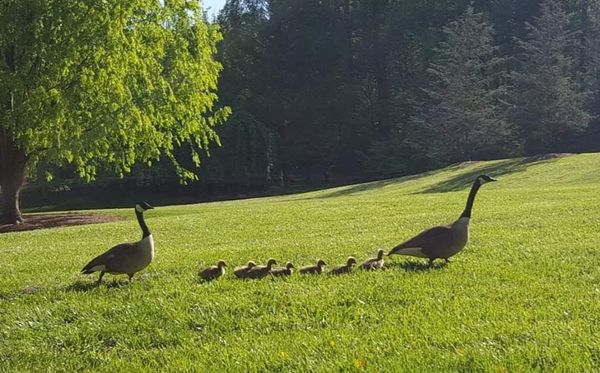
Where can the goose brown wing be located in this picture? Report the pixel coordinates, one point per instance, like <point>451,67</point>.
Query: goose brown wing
<point>308,269</point>
<point>209,272</point>
<point>106,258</point>
<point>339,270</point>
<point>372,263</point>
<point>240,271</point>
<point>428,238</point>
<point>280,272</point>
<point>257,272</point>
<point>367,263</point>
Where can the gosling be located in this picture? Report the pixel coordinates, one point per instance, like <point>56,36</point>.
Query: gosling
<point>213,272</point>
<point>374,263</point>
<point>286,271</point>
<point>314,270</point>
<point>242,272</point>
<point>261,271</point>
<point>344,268</point>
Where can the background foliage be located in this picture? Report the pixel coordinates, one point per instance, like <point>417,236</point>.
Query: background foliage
<point>344,90</point>
<point>104,86</point>
<point>359,89</point>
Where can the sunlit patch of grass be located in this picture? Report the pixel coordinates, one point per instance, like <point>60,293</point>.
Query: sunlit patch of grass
<point>523,295</point>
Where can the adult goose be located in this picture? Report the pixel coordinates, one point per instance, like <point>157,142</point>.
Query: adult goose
<point>261,271</point>
<point>443,241</point>
<point>346,268</point>
<point>126,258</point>
<point>285,271</point>
<point>314,270</point>
<point>374,263</point>
<point>213,272</point>
<point>242,272</point>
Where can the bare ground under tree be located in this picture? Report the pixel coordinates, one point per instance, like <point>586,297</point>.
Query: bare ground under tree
<point>42,221</point>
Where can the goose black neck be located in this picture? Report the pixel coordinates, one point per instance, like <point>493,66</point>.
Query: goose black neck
<point>467,212</point>
<point>140,218</point>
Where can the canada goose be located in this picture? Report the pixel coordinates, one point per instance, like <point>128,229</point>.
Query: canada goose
<point>286,271</point>
<point>126,258</point>
<point>213,272</point>
<point>345,268</point>
<point>261,271</point>
<point>374,263</point>
<point>443,241</point>
<point>241,272</point>
<point>314,270</point>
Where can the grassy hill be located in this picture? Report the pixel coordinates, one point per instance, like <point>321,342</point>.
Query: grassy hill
<point>523,295</point>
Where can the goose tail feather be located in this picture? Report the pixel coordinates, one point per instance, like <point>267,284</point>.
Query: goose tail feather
<point>93,266</point>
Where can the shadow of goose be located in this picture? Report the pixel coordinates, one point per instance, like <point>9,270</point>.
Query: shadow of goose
<point>416,266</point>
<point>81,286</point>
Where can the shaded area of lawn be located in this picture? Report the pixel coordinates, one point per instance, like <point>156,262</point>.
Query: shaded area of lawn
<point>458,181</point>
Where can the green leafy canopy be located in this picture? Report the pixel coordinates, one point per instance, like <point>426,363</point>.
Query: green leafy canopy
<point>110,83</point>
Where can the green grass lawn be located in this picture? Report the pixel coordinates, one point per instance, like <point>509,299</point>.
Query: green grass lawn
<point>523,295</point>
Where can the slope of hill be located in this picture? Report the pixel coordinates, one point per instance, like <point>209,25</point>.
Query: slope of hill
<point>523,295</point>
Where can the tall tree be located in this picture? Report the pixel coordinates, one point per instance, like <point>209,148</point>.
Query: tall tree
<point>465,111</point>
<point>333,84</point>
<point>549,102</point>
<point>244,85</point>
<point>92,83</point>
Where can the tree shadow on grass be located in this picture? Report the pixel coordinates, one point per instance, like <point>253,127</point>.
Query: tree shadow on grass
<point>459,182</point>
<point>358,188</point>
<point>511,166</point>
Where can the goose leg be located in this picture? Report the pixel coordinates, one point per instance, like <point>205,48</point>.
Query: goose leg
<point>431,261</point>
<point>447,260</point>
<point>130,276</point>
<point>100,278</point>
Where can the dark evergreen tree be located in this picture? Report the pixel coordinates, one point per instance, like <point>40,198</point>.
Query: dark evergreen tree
<point>465,111</point>
<point>549,103</point>
<point>329,89</point>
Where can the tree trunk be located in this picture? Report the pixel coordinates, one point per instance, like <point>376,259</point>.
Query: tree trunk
<point>11,214</point>
<point>12,174</point>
